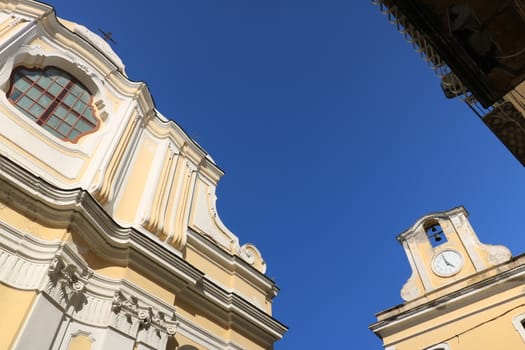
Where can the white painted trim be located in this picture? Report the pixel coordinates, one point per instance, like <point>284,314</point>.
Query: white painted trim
<point>517,323</point>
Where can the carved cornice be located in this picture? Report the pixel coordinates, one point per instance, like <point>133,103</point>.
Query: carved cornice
<point>239,265</point>
<point>139,250</point>
<point>97,300</point>
<point>27,8</point>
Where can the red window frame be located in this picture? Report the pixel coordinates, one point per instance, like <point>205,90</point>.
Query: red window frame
<point>55,100</point>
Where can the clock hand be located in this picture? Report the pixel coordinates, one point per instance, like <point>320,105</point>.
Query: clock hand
<point>447,262</point>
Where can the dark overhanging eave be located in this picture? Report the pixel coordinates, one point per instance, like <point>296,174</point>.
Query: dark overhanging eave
<point>449,50</point>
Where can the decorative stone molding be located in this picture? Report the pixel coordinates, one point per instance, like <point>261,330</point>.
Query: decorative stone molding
<point>144,323</point>
<point>83,67</point>
<point>128,307</point>
<point>67,283</point>
<point>16,20</point>
<point>124,314</point>
<point>66,274</point>
<point>19,272</point>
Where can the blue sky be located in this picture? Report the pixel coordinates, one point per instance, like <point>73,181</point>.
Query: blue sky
<point>334,135</point>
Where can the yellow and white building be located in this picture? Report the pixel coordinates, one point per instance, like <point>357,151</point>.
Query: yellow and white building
<point>462,294</point>
<point>109,234</point>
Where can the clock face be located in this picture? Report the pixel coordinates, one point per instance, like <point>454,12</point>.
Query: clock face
<point>447,263</point>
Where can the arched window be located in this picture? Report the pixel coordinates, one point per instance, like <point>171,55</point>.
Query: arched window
<point>54,100</point>
<point>435,233</point>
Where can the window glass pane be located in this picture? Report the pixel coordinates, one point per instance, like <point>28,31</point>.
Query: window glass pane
<point>45,100</point>
<point>82,126</point>
<point>76,90</point>
<point>51,130</point>
<point>86,98</point>
<point>71,118</point>
<point>61,111</point>
<point>89,116</point>
<point>69,100</point>
<point>34,93</point>
<point>36,110</point>
<point>33,75</point>
<point>15,95</point>
<point>53,121</point>
<point>44,82</point>
<point>62,81</point>
<point>64,129</point>
<point>74,134</point>
<point>52,72</point>
<point>17,77</point>
<point>25,102</point>
<point>55,89</point>
<point>79,106</point>
<point>21,84</point>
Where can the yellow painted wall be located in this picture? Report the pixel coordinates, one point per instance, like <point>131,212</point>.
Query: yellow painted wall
<point>25,224</point>
<point>80,342</point>
<point>485,324</point>
<point>132,193</point>
<point>150,286</point>
<point>203,263</point>
<point>180,341</point>
<point>186,310</point>
<point>250,293</point>
<point>14,306</point>
<point>244,342</point>
<point>228,279</point>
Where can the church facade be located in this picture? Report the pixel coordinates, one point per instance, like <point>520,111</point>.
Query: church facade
<point>109,233</point>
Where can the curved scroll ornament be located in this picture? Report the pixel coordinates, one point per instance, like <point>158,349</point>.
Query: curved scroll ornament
<point>411,290</point>
<point>498,254</point>
<point>252,256</point>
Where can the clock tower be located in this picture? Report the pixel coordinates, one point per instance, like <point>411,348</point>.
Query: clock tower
<point>442,248</point>
<point>462,294</point>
